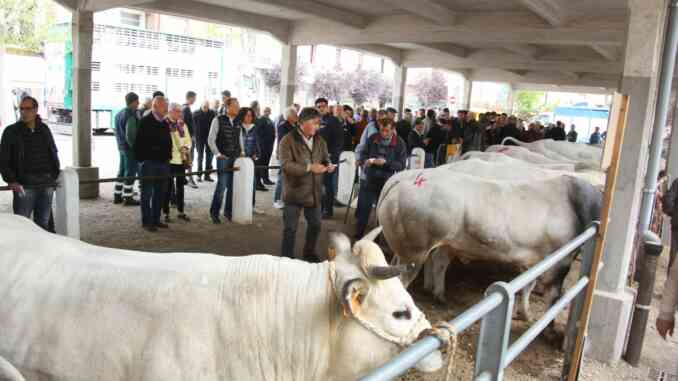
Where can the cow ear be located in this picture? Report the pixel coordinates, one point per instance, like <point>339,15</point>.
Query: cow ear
<point>354,294</point>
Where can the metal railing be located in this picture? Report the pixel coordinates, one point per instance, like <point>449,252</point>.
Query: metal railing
<point>493,352</point>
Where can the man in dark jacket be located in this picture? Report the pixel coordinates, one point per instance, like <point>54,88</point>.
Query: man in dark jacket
<point>333,134</point>
<point>153,149</point>
<point>29,164</point>
<point>404,125</point>
<point>557,132</point>
<point>595,137</point>
<point>203,120</point>
<point>473,136</point>
<point>349,125</point>
<point>124,119</point>
<point>417,139</point>
<point>304,159</point>
<point>510,130</point>
<point>187,116</point>
<point>572,135</point>
<point>224,141</point>
<point>266,137</point>
<point>385,155</point>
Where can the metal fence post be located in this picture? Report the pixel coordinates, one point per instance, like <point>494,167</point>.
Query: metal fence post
<point>495,330</point>
<point>570,337</point>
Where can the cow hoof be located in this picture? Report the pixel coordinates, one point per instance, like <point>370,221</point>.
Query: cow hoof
<point>441,300</point>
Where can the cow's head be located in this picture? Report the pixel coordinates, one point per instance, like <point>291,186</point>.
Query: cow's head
<point>379,317</point>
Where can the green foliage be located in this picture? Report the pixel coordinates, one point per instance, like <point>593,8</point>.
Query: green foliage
<point>528,103</point>
<point>25,23</point>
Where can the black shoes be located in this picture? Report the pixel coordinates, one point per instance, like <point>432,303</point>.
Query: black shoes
<point>261,187</point>
<point>184,217</point>
<point>208,179</point>
<point>129,201</point>
<point>150,228</point>
<point>215,220</point>
<point>268,182</point>
<point>311,258</point>
<point>162,226</point>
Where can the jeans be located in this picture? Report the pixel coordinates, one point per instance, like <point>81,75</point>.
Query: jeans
<point>35,202</point>
<point>129,167</point>
<point>204,152</point>
<point>291,220</point>
<point>153,191</point>
<point>277,195</point>
<point>224,182</point>
<point>176,183</point>
<point>366,198</point>
<point>329,186</point>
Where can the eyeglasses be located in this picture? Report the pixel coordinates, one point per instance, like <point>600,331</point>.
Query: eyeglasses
<point>26,108</point>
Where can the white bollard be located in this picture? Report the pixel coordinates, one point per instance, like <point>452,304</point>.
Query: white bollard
<point>243,188</point>
<point>67,204</point>
<point>418,158</point>
<point>346,176</point>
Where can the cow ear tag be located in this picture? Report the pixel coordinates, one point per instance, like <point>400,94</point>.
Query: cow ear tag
<point>331,253</point>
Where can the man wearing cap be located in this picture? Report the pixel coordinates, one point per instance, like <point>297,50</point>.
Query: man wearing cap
<point>126,122</point>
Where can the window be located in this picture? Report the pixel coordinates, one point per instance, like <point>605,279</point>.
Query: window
<point>96,86</point>
<point>96,66</point>
<point>130,19</point>
<point>212,75</point>
<point>179,73</point>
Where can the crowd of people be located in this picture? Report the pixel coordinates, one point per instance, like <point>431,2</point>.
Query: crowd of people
<point>163,142</point>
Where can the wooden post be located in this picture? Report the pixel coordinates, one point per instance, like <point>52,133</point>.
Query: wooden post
<point>610,164</point>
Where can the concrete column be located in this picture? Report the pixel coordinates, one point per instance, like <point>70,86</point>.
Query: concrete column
<point>510,100</point>
<point>346,176</point>
<point>418,159</point>
<point>67,204</point>
<point>610,316</point>
<point>399,86</point>
<point>468,91</point>
<point>672,159</point>
<point>243,191</point>
<point>83,34</point>
<point>288,76</point>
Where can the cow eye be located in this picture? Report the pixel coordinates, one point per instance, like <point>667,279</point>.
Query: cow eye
<point>404,314</point>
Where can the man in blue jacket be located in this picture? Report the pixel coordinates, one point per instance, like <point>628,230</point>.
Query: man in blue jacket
<point>125,119</point>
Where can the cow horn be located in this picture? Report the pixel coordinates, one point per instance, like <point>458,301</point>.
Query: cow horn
<point>388,272</point>
<point>371,236</point>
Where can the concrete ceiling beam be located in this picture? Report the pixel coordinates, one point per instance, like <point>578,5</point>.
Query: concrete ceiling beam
<point>394,54</point>
<point>610,53</point>
<point>323,11</point>
<point>427,9</point>
<point>446,48</point>
<point>523,49</point>
<point>102,5</point>
<point>277,27</point>
<point>548,10</point>
<point>420,58</point>
<point>502,28</point>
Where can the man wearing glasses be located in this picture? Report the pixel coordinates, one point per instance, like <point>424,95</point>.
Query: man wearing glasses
<point>29,163</point>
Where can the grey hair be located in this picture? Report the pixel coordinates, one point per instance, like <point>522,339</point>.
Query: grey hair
<point>174,106</point>
<point>290,111</point>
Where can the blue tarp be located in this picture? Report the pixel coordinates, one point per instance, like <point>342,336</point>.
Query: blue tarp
<point>581,112</point>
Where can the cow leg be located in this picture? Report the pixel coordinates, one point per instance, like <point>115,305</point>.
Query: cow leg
<point>428,274</point>
<point>553,290</point>
<point>524,305</point>
<point>440,261</point>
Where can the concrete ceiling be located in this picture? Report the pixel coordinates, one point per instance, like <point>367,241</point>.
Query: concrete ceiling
<point>549,42</point>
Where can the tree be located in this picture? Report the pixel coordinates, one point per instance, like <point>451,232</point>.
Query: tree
<point>527,103</point>
<point>24,24</point>
<point>384,92</point>
<point>431,89</point>
<point>329,85</point>
<point>273,76</point>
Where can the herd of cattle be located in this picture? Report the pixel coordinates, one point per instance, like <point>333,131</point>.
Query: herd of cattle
<point>74,311</point>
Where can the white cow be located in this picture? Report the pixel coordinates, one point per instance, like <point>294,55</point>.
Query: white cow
<point>516,166</point>
<point>499,153</point>
<point>78,312</point>
<point>494,215</point>
<point>586,156</point>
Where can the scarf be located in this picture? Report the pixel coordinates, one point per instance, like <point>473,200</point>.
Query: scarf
<point>177,125</point>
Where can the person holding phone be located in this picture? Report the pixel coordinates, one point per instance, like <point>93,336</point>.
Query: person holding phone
<point>304,160</point>
<point>385,154</point>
